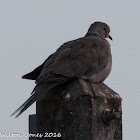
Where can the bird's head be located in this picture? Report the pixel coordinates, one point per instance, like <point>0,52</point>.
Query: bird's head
<point>99,28</point>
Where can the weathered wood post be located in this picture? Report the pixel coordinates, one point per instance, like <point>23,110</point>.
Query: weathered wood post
<point>72,116</point>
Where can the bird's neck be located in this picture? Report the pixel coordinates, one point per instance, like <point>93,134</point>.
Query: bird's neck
<point>94,34</point>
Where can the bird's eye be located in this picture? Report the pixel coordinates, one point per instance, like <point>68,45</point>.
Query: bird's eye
<point>104,28</point>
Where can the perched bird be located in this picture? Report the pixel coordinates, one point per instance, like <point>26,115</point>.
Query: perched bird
<point>87,58</point>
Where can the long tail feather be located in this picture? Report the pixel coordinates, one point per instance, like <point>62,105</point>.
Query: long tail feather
<point>34,97</point>
<point>24,106</point>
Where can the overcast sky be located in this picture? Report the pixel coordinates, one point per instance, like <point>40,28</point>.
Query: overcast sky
<point>30,30</point>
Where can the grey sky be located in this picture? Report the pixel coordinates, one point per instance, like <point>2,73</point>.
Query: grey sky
<point>31,30</point>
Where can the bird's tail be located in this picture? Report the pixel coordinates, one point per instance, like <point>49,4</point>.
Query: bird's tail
<point>35,95</point>
<point>25,105</point>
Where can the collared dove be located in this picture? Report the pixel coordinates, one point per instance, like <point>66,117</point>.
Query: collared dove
<point>87,58</point>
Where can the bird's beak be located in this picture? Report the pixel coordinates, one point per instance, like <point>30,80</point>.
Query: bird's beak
<point>110,37</point>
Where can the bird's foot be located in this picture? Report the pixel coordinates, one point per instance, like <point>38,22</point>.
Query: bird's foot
<point>88,88</point>
<point>92,89</point>
<point>87,93</point>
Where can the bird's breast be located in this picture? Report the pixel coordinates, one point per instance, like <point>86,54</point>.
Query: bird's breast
<point>101,74</point>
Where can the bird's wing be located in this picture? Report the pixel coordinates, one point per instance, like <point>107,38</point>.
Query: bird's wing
<point>71,59</point>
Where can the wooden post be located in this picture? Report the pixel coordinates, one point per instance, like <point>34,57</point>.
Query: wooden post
<point>72,116</point>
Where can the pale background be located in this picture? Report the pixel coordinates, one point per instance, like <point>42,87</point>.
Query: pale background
<point>30,30</point>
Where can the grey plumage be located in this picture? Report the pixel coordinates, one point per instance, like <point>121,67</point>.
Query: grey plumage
<point>88,57</point>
